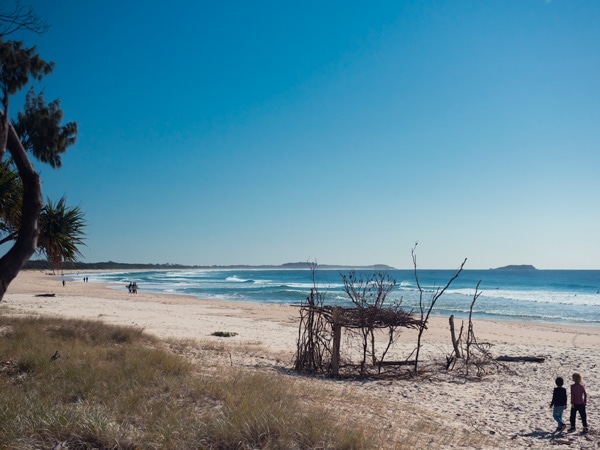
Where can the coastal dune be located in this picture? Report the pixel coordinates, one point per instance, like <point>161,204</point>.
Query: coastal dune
<point>511,406</point>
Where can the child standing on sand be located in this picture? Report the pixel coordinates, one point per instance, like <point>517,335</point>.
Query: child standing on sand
<point>559,403</point>
<point>578,402</point>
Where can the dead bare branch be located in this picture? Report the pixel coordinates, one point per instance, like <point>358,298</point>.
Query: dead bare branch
<point>20,17</point>
<point>425,309</point>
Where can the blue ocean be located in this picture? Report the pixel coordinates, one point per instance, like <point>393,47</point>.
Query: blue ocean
<point>565,296</point>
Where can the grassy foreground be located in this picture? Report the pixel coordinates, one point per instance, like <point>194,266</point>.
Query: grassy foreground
<point>115,387</point>
<point>118,388</point>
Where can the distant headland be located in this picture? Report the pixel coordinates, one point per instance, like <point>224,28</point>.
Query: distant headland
<point>516,267</point>
<point>111,265</point>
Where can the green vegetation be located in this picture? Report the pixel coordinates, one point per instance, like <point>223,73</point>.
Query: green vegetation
<point>115,387</point>
<point>61,231</point>
<point>37,130</point>
<point>84,384</point>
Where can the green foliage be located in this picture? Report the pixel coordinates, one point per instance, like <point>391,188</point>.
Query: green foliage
<point>11,197</point>
<point>61,231</point>
<point>17,65</point>
<point>61,227</point>
<point>40,131</point>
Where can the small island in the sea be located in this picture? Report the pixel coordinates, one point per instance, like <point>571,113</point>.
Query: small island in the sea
<point>516,267</point>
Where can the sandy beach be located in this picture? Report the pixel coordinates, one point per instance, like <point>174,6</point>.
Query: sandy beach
<point>511,406</point>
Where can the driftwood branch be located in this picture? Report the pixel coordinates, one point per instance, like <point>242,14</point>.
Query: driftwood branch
<point>453,336</point>
<point>425,310</point>
<point>537,359</point>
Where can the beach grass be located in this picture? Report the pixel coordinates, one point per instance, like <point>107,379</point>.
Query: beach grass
<point>91,385</point>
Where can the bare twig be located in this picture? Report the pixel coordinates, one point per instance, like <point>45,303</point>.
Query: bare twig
<point>425,309</point>
<point>20,17</point>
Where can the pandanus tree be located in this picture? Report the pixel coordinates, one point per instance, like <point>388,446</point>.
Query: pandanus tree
<point>37,130</point>
<point>61,226</point>
<point>61,232</point>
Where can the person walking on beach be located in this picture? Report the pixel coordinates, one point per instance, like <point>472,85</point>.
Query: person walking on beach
<point>578,402</point>
<point>559,403</point>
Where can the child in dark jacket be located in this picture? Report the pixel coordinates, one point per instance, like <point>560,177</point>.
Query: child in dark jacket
<point>578,402</point>
<point>559,403</point>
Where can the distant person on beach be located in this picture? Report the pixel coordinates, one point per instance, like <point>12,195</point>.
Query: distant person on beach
<point>559,403</point>
<point>63,283</point>
<point>578,402</point>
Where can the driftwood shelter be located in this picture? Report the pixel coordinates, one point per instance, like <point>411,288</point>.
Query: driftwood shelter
<point>320,333</point>
<point>320,328</point>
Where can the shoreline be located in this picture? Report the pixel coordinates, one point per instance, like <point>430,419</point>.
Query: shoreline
<point>567,300</point>
<point>438,311</point>
<point>511,406</point>
<point>476,317</point>
<point>30,283</point>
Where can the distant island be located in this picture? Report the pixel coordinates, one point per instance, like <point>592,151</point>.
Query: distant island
<point>516,267</point>
<point>111,265</point>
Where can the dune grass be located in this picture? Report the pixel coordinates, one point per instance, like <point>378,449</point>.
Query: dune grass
<point>115,387</point>
<point>90,385</point>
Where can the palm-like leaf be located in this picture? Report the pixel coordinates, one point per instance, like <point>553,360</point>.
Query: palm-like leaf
<point>11,197</point>
<point>61,231</point>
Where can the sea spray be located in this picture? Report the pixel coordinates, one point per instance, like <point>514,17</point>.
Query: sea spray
<point>566,296</point>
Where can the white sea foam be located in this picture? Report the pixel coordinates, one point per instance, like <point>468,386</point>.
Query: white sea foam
<point>543,295</point>
<point>236,279</point>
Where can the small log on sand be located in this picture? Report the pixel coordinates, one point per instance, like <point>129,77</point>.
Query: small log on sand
<point>537,359</point>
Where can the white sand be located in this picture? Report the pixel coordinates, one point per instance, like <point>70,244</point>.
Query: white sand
<point>513,408</point>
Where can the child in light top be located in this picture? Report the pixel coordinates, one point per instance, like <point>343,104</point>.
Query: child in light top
<point>578,402</point>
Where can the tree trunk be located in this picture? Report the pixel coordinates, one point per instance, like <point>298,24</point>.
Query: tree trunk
<point>26,242</point>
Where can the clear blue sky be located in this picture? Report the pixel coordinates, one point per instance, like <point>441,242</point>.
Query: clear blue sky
<point>238,132</point>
